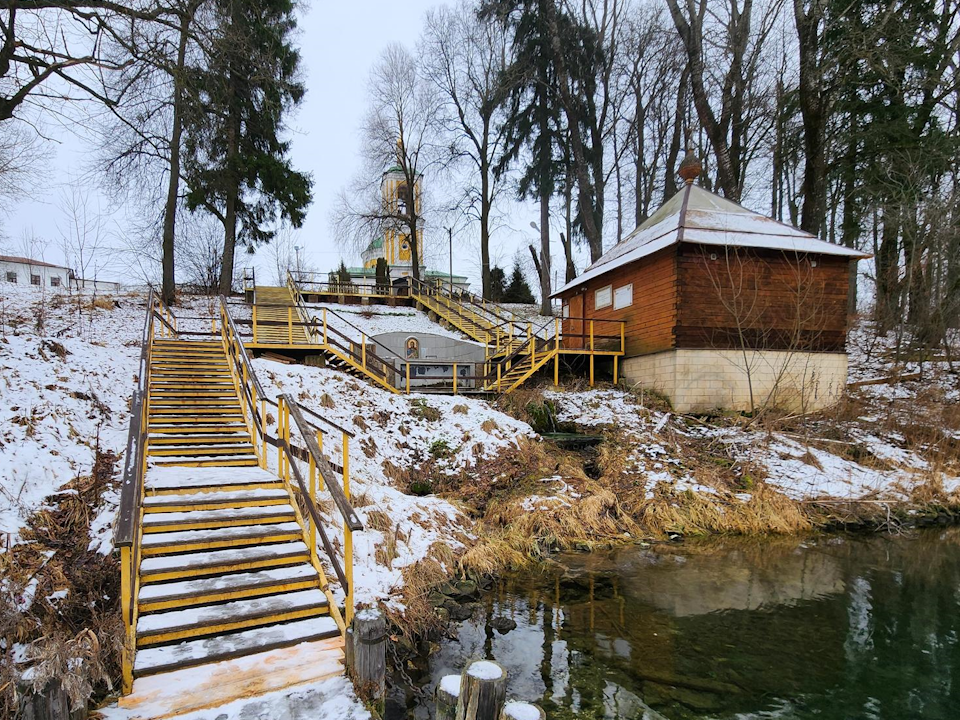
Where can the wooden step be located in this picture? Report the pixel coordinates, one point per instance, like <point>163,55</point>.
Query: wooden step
<point>204,591</point>
<point>200,449</point>
<point>218,562</point>
<point>197,390</point>
<point>199,438</point>
<point>218,412</point>
<point>165,627</point>
<point>218,538</point>
<point>261,659</point>
<point>167,401</point>
<point>182,480</point>
<point>205,462</point>
<point>214,500</point>
<point>195,426</point>
<point>219,518</point>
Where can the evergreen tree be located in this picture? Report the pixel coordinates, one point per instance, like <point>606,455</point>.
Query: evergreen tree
<point>518,291</point>
<point>342,279</point>
<point>383,276</point>
<point>498,284</point>
<point>533,121</point>
<point>236,162</point>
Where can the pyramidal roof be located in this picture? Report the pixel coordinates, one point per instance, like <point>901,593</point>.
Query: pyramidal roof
<point>695,215</point>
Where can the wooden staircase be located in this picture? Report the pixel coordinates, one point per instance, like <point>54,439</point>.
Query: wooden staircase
<point>194,415</point>
<point>288,322</point>
<point>278,321</point>
<point>518,372</point>
<point>223,565</point>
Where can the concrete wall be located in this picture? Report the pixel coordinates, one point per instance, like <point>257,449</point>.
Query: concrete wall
<point>436,347</point>
<point>24,271</point>
<point>698,380</point>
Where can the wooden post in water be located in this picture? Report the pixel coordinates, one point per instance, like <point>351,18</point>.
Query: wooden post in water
<point>483,689</point>
<point>370,654</point>
<point>51,703</point>
<point>448,692</point>
<point>522,711</point>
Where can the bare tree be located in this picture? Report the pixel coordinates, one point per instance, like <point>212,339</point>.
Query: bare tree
<point>399,132</point>
<point>725,47</point>
<point>465,58</point>
<point>653,114</point>
<point>82,232</point>
<point>22,156</point>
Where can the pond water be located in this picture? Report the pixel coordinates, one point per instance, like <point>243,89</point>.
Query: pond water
<point>823,627</point>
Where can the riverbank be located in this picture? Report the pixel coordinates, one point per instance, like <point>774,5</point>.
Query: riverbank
<point>448,488</point>
<point>810,627</point>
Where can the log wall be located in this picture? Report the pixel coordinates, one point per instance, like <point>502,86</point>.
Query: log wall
<point>649,321</point>
<point>771,299</point>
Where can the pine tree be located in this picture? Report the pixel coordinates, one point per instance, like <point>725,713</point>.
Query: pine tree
<point>236,163</point>
<point>383,276</point>
<point>534,126</point>
<point>342,279</point>
<point>518,291</point>
<point>498,284</point>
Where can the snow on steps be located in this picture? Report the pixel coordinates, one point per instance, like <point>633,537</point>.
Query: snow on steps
<point>154,543</point>
<point>224,617</point>
<point>234,582</point>
<point>208,562</point>
<point>162,478</point>
<point>222,517</point>
<point>192,689</point>
<point>214,499</point>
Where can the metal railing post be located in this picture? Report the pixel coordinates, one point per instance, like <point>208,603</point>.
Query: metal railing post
<point>280,404</point>
<point>312,492</point>
<point>254,324</point>
<point>347,536</point>
<point>454,378</point>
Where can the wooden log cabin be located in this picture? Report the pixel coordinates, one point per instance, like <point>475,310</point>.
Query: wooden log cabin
<point>724,308</point>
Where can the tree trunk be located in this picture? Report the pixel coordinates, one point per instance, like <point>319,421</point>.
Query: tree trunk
<point>691,32</point>
<point>545,307</point>
<point>485,203</point>
<point>670,171</point>
<point>888,270</point>
<point>813,111</point>
<point>169,286</point>
<point>232,181</point>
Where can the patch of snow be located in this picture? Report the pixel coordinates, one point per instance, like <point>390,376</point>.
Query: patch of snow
<point>450,684</point>
<point>521,711</point>
<point>485,670</point>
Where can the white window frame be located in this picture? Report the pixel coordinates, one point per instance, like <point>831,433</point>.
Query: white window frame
<point>565,312</point>
<point>618,304</point>
<point>596,297</point>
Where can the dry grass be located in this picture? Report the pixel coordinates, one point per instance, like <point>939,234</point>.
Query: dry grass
<point>378,520</point>
<point>461,409</point>
<point>419,618</point>
<point>76,639</point>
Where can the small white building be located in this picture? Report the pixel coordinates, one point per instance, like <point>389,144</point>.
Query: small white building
<point>25,271</point>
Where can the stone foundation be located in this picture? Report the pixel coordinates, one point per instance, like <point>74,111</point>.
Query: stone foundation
<point>699,380</point>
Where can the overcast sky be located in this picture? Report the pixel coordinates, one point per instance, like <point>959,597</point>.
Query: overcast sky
<point>339,43</point>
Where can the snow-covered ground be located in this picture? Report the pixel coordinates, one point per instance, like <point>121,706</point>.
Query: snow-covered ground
<point>68,367</point>
<point>354,321</point>
<point>395,432</point>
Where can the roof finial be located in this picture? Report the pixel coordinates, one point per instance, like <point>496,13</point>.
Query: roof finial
<point>690,167</point>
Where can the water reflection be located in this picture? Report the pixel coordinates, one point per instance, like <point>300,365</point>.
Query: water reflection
<point>785,628</point>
